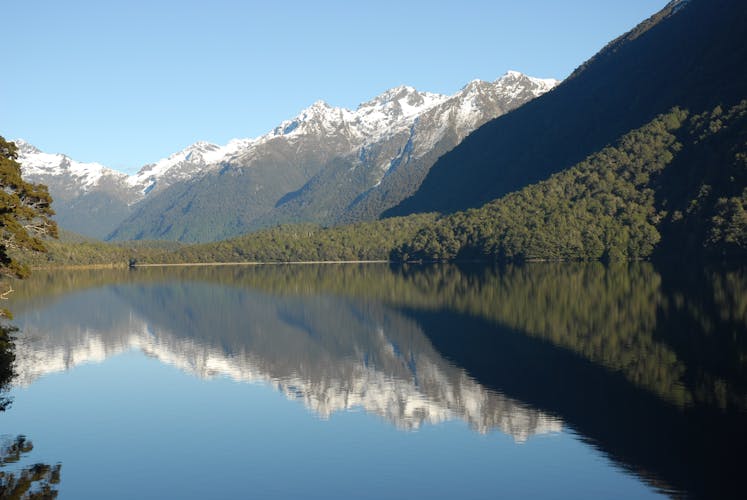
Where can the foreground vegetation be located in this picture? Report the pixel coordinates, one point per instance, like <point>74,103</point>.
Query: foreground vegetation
<point>25,213</point>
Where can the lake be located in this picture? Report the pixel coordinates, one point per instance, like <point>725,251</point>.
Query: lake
<point>377,381</point>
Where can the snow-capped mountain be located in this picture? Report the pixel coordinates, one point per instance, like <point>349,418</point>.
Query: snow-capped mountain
<point>328,164</point>
<point>83,176</point>
<point>194,160</point>
<point>89,198</point>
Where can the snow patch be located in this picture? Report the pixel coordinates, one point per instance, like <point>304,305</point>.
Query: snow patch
<point>393,112</point>
<point>36,163</point>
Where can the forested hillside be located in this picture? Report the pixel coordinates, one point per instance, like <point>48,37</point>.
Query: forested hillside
<point>691,55</point>
<point>305,242</point>
<point>680,177</point>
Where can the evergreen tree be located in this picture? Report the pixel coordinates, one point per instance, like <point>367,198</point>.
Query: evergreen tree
<point>25,213</point>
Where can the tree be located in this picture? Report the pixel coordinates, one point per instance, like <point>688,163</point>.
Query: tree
<point>25,213</point>
<point>25,216</point>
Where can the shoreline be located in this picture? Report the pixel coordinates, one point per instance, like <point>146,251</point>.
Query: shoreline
<point>207,264</point>
<point>268,263</point>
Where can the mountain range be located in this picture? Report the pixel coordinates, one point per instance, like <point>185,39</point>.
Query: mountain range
<point>641,151</point>
<point>328,165</point>
<point>691,54</point>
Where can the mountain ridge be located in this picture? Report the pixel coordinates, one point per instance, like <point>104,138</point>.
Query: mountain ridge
<point>322,143</point>
<point>36,162</point>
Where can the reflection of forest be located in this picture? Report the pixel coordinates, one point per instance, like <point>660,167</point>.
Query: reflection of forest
<point>36,481</point>
<point>647,364</point>
<point>7,356</point>
<point>622,318</point>
<point>32,482</point>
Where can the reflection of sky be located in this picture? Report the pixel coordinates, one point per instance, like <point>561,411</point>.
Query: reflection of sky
<point>133,427</point>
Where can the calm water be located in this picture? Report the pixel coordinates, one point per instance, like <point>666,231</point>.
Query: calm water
<point>368,381</point>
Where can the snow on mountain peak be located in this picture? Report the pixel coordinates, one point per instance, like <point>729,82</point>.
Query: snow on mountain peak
<point>319,105</point>
<point>512,73</point>
<point>320,117</point>
<point>394,108</point>
<point>34,162</point>
<point>26,148</point>
<point>200,146</point>
<point>182,165</point>
<point>514,82</point>
<point>320,111</point>
<point>474,86</point>
<point>403,101</point>
<point>389,113</point>
<point>401,92</point>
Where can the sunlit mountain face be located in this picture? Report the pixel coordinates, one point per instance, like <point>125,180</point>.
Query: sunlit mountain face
<point>327,165</point>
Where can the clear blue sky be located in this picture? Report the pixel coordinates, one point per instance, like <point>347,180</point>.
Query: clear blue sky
<point>125,83</point>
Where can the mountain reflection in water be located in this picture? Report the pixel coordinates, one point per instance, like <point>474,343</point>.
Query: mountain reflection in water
<point>330,352</point>
<point>646,365</point>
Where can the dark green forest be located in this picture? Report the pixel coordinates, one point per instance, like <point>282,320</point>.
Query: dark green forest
<point>304,242</point>
<point>676,179</point>
<point>283,243</point>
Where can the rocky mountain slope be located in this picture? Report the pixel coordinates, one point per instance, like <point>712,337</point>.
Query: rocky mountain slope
<point>326,165</point>
<point>89,198</point>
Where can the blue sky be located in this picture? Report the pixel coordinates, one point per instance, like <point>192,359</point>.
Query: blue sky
<point>125,83</point>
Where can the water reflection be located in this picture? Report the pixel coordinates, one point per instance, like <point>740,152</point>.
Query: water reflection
<point>18,479</point>
<point>7,357</point>
<point>331,352</point>
<point>33,482</point>
<point>647,365</point>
